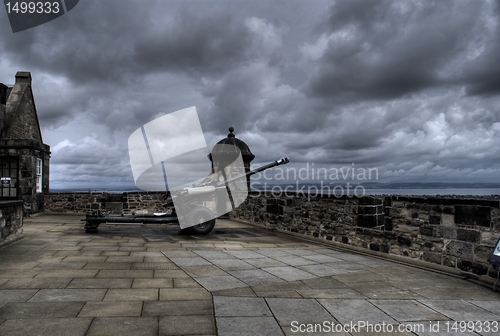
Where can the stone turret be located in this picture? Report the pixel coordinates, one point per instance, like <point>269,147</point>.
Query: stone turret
<point>240,145</point>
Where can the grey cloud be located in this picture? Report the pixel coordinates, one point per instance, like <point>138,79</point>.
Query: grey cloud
<point>388,49</point>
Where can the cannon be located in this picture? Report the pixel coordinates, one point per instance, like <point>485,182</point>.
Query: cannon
<point>191,202</point>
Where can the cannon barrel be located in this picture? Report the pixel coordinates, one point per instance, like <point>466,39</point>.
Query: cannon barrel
<point>282,161</point>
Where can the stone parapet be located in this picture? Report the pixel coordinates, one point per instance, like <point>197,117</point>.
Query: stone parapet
<point>11,221</point>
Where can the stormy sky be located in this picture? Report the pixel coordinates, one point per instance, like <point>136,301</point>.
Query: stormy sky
<point>411,88</point>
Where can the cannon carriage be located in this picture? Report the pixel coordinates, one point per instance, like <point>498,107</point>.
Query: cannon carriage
<point>198,205</point>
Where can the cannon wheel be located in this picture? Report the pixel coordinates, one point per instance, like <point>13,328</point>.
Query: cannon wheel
<point>204,217</point>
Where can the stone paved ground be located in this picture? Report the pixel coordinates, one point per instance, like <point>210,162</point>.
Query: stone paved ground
<point>239,280</point>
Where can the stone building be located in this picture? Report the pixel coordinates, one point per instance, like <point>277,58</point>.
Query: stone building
<point>24,158</point>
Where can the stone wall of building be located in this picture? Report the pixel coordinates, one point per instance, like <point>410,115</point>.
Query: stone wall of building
<point>11,221</point>
<point>451,232</point>
<point>28,151</point>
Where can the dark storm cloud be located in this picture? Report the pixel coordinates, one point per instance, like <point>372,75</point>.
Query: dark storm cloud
<point>482,75</point>
<point>385,49</point>
<point>193,42</point>
<point>117,40</point>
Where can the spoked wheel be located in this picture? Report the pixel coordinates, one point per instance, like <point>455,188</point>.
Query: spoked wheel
<point>204,219</point>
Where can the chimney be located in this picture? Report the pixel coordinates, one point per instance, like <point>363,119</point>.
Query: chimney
<point>23,77</point>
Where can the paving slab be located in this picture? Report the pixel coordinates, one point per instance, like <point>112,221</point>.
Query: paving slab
<point>187,325</point>
<point>108,265</point>
<point>100,309</point>
<point>353,311</point>
<point>170,274</point>
<point>79,295</point>
<point>178,294</point>
<point>408,310</point>
<point>460,310</point>
<point>58,273</point>
<point>45,327</point>
<point>154,266</point>
<point>25,310</point>
<point>204,271</point>
<point>248,326</point>
<point>241,291</point>
<point>214,255</point>
<point>178,308</point>
<point>331,293</point>
<point>264,262</point>
<point>293,260</point>
<point>240,306</point>
<point>153,283</point>
<point>132,294</point>
<point>16,295</point>
<point>125,274</point>
<point>100,283</point>
<point>245,254</point>
<point>185,283</point>
<point>322,270</point>
<point>232,264</point>
<point>192,261</point>
<point>289,273</point>
<point>323,283</point>
<point>61,265</point>
<point>220,282</point>
<point>279,294</point>
<point>255,277</point>
<point>140,326</point>
<point>301,310</point>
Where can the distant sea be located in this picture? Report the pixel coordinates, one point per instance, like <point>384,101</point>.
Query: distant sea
<point>368,191</point>
<point>433,192</point>
<point>399,191</point>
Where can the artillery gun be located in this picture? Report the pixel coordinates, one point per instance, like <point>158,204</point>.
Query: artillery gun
<point>189,201</point>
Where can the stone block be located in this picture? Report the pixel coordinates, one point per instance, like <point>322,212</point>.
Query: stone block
<point>460,249</point>
<point>489,238</point>
<point>473,267</point>
<point>448,220</point>
<point>368,200</point>
<point>404,241</point>
<point>426,230</point>
<point>437,208</point>
<point>450,261</point>
<point>388,226</point>
<point>449,210</point>
<point>432,257</point>
<point>370,220</point>
<point>472,236</point>
<point>473,215</point>
<point>482,253</point>
<point>445,232</point>
<point>434,219</point>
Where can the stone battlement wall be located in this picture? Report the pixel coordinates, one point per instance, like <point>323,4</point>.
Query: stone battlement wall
<point>451,232</point>
<point>109,203</point>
